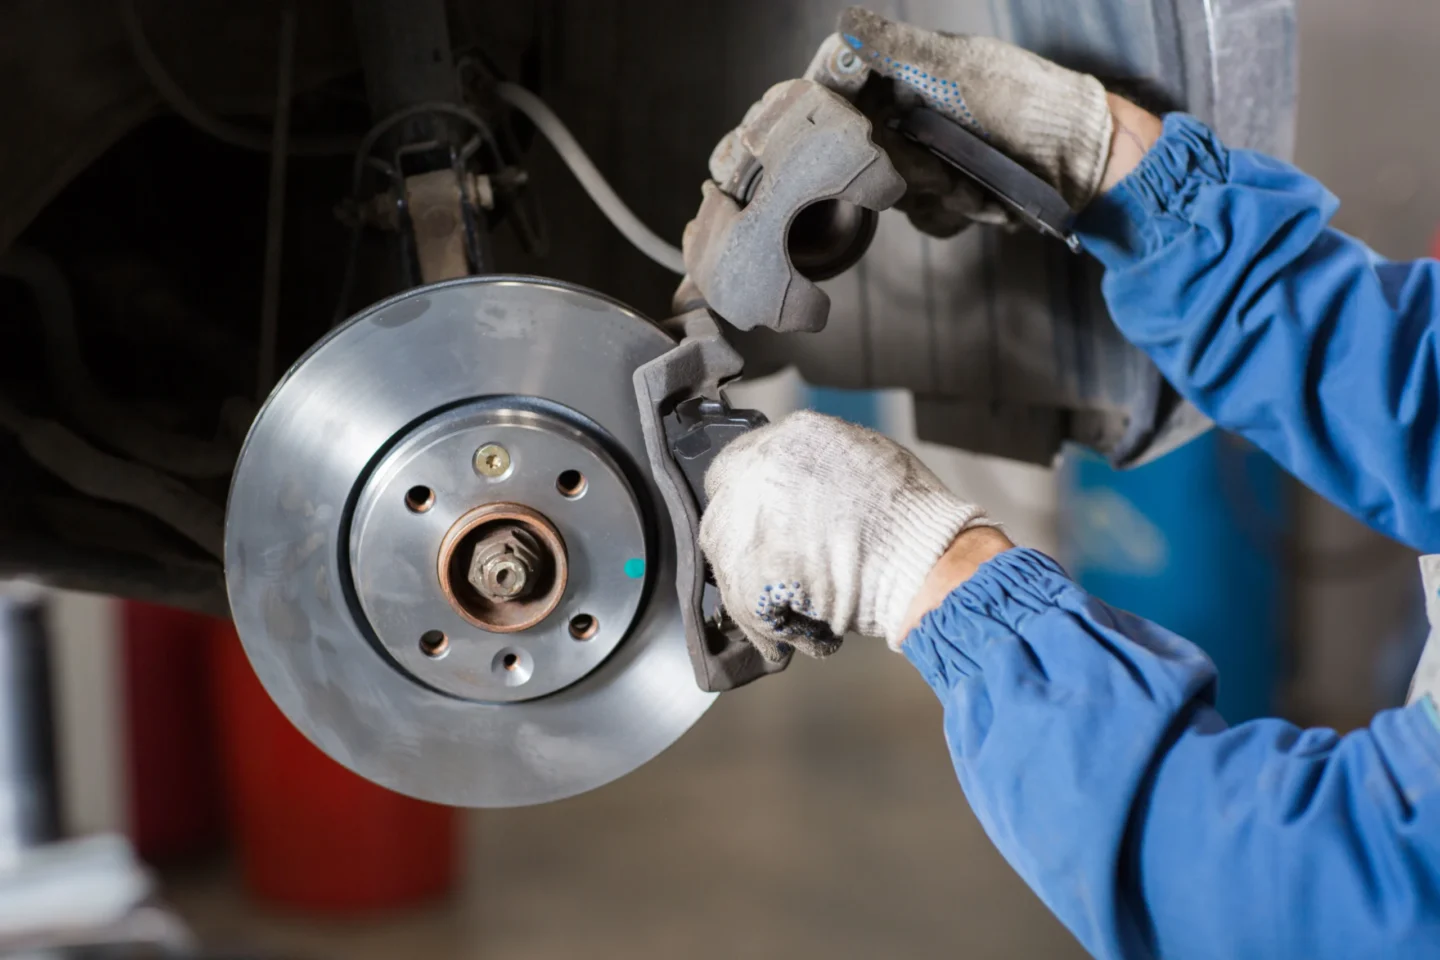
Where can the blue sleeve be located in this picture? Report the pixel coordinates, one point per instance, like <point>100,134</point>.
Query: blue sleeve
<point>1086,741</point>
<point>1221,265</point>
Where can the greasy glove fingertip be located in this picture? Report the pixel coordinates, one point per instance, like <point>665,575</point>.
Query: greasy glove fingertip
<point>818,648</point>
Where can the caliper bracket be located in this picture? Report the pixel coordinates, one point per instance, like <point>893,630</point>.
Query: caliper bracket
<point>687,422</point>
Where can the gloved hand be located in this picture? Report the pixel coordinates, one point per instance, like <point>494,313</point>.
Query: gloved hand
<point>1052,120</point>
<point>817,527</point>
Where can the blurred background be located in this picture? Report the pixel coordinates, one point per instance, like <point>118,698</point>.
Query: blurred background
<point>810,815</point>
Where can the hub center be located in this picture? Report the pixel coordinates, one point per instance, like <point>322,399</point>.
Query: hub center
<point>503,567</point>
<point>498,552</point>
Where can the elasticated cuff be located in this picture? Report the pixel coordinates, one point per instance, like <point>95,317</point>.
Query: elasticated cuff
<point>1006,591</point>
<point>1130,219</point>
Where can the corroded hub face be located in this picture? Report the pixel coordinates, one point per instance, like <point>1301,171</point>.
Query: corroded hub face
<point>503,567</point>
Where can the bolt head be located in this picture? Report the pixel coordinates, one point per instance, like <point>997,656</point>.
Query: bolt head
<point>504,566</point>
<point>505,577</point>
<point>492,460</point>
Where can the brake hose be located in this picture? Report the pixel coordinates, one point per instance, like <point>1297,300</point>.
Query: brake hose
<point>644,239</point>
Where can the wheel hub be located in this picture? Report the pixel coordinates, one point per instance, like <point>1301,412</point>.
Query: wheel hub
<point>443,547</point>
<point>499,562</point>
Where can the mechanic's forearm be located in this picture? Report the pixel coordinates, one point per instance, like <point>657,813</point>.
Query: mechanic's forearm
<point>1135,132</point>
<point>1266,840</point>
<point>1056,707</point>
<point>1087,744</point>
<point>1221,265</point>
<point>956,565</point>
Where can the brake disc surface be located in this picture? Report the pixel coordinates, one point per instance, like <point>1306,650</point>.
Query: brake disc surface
<point>444,553</point>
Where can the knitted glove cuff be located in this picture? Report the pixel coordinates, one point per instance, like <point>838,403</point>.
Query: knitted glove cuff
<point>1069,128</point>
<point>923,524</point>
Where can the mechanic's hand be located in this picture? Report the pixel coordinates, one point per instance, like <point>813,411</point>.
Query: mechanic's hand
<point>817,527</point>
<point>1052,120</point>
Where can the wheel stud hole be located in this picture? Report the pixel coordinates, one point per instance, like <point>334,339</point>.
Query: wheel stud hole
<point>434,644</point>
<point>583,626</point>
<point>418,499</point>
<point>571,484</point>
<point>511,662</point>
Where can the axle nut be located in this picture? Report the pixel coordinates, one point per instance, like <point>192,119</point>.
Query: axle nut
<point>504,565</point>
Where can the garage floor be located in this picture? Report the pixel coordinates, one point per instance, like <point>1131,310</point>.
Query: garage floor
<point>817,815</point>
<point>812,817</point>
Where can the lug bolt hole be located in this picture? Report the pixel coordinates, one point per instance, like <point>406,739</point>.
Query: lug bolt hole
<point>511,662</point>
<point>571,484</point>
<point>418,499</point>
<point>583,626</point>
<point>434,644</point>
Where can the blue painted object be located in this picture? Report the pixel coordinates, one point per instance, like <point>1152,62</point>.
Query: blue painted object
<point>1192,542</point>
<point>857,406</point>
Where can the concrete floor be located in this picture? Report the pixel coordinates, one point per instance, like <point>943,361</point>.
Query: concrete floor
<point>813,817</point>
<point>817,815</point>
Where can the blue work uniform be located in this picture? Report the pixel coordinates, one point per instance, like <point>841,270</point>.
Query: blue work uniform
<point>1086,738</point>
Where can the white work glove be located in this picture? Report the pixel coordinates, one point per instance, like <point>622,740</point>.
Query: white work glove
<point>1049,119</point>
<point>817,527</point>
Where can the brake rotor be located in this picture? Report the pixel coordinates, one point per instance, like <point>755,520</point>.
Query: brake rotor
<point>445,554</point>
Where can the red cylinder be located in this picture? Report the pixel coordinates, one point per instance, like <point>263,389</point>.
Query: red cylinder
<point>312,835</point>
<point>175,806</point>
